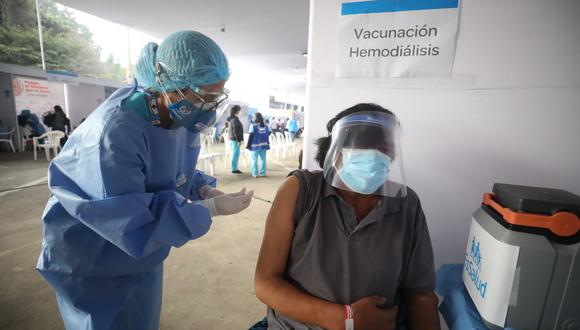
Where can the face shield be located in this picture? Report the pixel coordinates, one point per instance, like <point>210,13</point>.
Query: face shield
<point>212,102</point>
<point>195,116</point>
<point>365,155</point>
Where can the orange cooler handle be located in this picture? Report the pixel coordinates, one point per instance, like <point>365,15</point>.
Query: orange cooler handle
<point>563,223</point>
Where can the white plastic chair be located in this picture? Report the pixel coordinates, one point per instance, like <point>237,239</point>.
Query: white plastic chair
<point>25,133</point>
<point>51,142</point>
<point>211,134</point>
<point>206,156</point>
<point>289,144</point>
<point>281,140</point>
<point>244,153</point>
<point>6,137</point>
<point>275,147</point>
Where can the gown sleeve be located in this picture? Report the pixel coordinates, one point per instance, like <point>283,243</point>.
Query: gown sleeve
<point>201,179</point>
<point>114,202</point>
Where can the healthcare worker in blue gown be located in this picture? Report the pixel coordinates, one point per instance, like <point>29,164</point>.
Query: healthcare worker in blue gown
<point>124,189</point>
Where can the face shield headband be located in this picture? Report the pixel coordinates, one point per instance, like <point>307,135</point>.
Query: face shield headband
<point>196,116</point>
<point>365,155</point>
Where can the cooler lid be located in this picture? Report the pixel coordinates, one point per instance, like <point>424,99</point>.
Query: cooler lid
<point>536,200</point>
<point>550,212</point>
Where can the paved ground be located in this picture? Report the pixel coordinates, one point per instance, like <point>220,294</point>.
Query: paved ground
<point>208,283</point>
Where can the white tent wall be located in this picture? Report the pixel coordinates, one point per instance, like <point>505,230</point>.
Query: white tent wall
<point>7,111</point>
<point>509,113</point>
<point>82,99</point>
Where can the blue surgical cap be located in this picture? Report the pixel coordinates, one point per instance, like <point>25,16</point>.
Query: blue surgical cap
<point>189,60</point>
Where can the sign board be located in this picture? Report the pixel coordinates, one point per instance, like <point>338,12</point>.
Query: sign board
<point>397,38</point>
<point>488,273</point>
<point>37,95</point>
<point>63,77</point>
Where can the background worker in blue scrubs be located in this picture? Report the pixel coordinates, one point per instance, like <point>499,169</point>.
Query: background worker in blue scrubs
<point>124,189</point>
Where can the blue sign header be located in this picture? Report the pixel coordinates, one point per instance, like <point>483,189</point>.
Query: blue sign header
<point>387,6</point>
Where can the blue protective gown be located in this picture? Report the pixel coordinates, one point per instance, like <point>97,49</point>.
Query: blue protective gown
<point>118,203</point>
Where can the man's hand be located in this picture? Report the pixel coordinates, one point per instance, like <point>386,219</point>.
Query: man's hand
<point>367,314</point>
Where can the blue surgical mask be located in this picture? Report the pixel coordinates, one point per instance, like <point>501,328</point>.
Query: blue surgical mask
<point>364,170</point>
<point>186,114</point>
<point>193,116</point>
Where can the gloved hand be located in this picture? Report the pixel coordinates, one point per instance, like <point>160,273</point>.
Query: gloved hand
<point>208,191</point>
<point>227,204</point>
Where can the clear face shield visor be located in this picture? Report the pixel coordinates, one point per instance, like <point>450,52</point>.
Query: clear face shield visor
<point>197,113</point>
<point>214,103</point>
<point>365,155</point>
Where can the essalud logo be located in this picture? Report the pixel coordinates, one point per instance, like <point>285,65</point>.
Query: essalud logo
<point>475,253</point>
<point>473,267</point>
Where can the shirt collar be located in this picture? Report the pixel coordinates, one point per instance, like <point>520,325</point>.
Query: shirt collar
<point>390,204</point>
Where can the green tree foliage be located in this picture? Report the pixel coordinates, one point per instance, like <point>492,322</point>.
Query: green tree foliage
<point>18,35</point>
<point>112,70</point>
<point>68,45</point>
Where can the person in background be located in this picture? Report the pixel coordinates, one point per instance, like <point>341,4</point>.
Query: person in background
<point>60,121</point>
<point>30,119</point>
<point>348,247</point>
<point>30,127</point>
<point>226,130</point>
<point>292,126</point>
<point>282,124</point>
<point>259,144</point>
<point>124,189</point>
<point>236,136</point>
<point>217,132</point>
<point>273,125</point>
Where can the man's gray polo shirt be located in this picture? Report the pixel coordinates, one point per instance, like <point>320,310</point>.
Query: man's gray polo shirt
<point>332,257</point>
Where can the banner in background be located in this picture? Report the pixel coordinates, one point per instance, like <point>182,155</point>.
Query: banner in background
<point>397,38</point>
<point>63,77</point>
<point>37,95</point>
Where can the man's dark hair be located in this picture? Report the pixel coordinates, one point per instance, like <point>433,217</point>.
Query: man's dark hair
<point>324,142</point>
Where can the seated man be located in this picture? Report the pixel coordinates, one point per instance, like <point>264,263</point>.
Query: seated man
<point>348,247</point>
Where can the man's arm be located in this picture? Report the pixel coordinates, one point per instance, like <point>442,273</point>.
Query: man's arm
<point>420,277</point>
<point>270,285</point>
<point>275,291</point>
<point>423,314</point>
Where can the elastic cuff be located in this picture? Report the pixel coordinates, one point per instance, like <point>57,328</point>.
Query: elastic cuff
<point>209,205</point>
